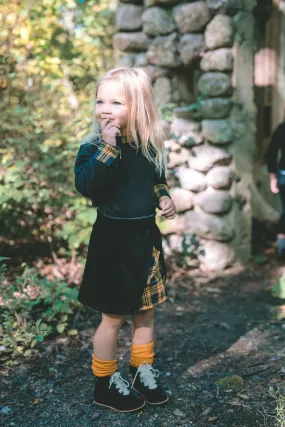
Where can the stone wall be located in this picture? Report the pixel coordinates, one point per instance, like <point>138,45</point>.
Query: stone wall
<point>193,52</point>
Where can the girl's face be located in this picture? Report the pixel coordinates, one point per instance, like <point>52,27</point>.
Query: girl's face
<point>111,103</point>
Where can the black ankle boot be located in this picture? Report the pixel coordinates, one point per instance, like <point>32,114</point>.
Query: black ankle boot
<point>115,393</point>
<point>146,383</point>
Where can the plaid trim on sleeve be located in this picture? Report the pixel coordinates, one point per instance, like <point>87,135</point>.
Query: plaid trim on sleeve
<point>161,190</point>
<point>106,153</point>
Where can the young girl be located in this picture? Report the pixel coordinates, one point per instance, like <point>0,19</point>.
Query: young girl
<point>121,168</point>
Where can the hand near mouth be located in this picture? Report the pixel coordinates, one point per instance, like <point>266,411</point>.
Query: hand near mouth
<point>109,131</point>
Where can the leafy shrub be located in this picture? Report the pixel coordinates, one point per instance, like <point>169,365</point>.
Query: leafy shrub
<point>32,308</point>
<point>51,52</point>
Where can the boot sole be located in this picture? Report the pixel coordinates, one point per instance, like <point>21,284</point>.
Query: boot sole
<point>119,410</point>
<point>150,403</point>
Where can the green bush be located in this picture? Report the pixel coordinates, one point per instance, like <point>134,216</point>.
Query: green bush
<point>32,308</point>
<point>51,53</point>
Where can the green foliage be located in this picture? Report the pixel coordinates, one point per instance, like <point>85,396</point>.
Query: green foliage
<point>50,54</point>
<point>166,111</point>
<point>77,230</point>
<point>191,250</point>
<point>31,309</point>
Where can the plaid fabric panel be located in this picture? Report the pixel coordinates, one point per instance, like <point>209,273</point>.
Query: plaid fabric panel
<point>154,292</point>
<point>106,153</point>
<point>161,190</point>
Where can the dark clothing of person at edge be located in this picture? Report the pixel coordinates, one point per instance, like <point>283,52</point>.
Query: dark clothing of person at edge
<point>276,169</point>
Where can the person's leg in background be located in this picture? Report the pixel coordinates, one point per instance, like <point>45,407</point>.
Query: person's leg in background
<point>281,224</point>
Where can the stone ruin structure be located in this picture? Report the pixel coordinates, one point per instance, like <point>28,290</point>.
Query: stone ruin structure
<point>199,56</point>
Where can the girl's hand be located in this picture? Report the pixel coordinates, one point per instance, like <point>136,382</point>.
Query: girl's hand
<point>273,183</point>
<point>109,131</point>
<point>167,206</point>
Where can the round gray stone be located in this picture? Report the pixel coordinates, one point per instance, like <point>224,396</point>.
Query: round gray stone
<point>176,159</point>
<point>131,42</point>
<point>219,32</point>
<point>157,20</point>
<point>215,84</point>
<point>217,131</point>
<point>187,132</point>
<point>149,3</point>
<point>226,6</point>
<point>171,145</point>
<point>215,108</point>
<point>181,126</point>
<point>219,59</point>
<point>214,201</point>
<point>175,243</point>
<point>211,227</point>
<point>190,179</point>
<point>176,225</point>
<point>191,47</point>
<point>204,157</point>
<point>183,199</point>
<point>129,17</point>
<point>140,60</point>
<point>162,90</point>
<point>217,256</point>
<point>163,51</point>
<point>126,61</point>
<point>220,177</point>
<point>191,17</point>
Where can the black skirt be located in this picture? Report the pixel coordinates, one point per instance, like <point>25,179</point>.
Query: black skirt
<point>125,269</point>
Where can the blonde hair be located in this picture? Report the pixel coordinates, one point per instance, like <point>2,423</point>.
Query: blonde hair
<point>144,124</point>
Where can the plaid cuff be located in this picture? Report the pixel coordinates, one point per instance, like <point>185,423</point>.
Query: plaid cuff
<point>106,153</point>
<point>161,190</point>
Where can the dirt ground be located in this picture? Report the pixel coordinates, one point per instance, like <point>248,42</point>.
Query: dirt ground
<point>212,327</point>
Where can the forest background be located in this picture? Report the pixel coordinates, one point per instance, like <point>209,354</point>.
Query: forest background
<point>51,53</point>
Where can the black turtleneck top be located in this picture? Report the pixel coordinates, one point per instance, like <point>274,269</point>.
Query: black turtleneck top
<point>119,179</point>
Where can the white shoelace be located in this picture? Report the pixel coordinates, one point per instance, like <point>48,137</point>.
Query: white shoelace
<point>121,385</point>
<point>148,375</point>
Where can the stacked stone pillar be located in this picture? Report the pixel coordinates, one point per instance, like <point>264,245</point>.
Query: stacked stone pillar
<point>192,51</point>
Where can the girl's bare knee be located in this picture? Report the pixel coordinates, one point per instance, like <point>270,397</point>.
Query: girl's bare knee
<point>143,318</point>
<point>113,320</point>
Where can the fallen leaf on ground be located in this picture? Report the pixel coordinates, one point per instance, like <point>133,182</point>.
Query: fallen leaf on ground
<point>179,413</point>
<point>234,381</point>
<point>211,419</point>
<point>214,290</point>
<point>243,396</point>
<point>235,403</point>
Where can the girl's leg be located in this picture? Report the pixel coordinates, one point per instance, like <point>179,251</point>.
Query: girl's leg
<point>104,361</point>
<point>143,337</point>
<point>145,378</point>
<point>143,327</point>
<point>111,390</point>
<point>105,338</point>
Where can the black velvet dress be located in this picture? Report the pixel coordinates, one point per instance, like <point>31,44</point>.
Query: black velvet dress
<point>125,269</point>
